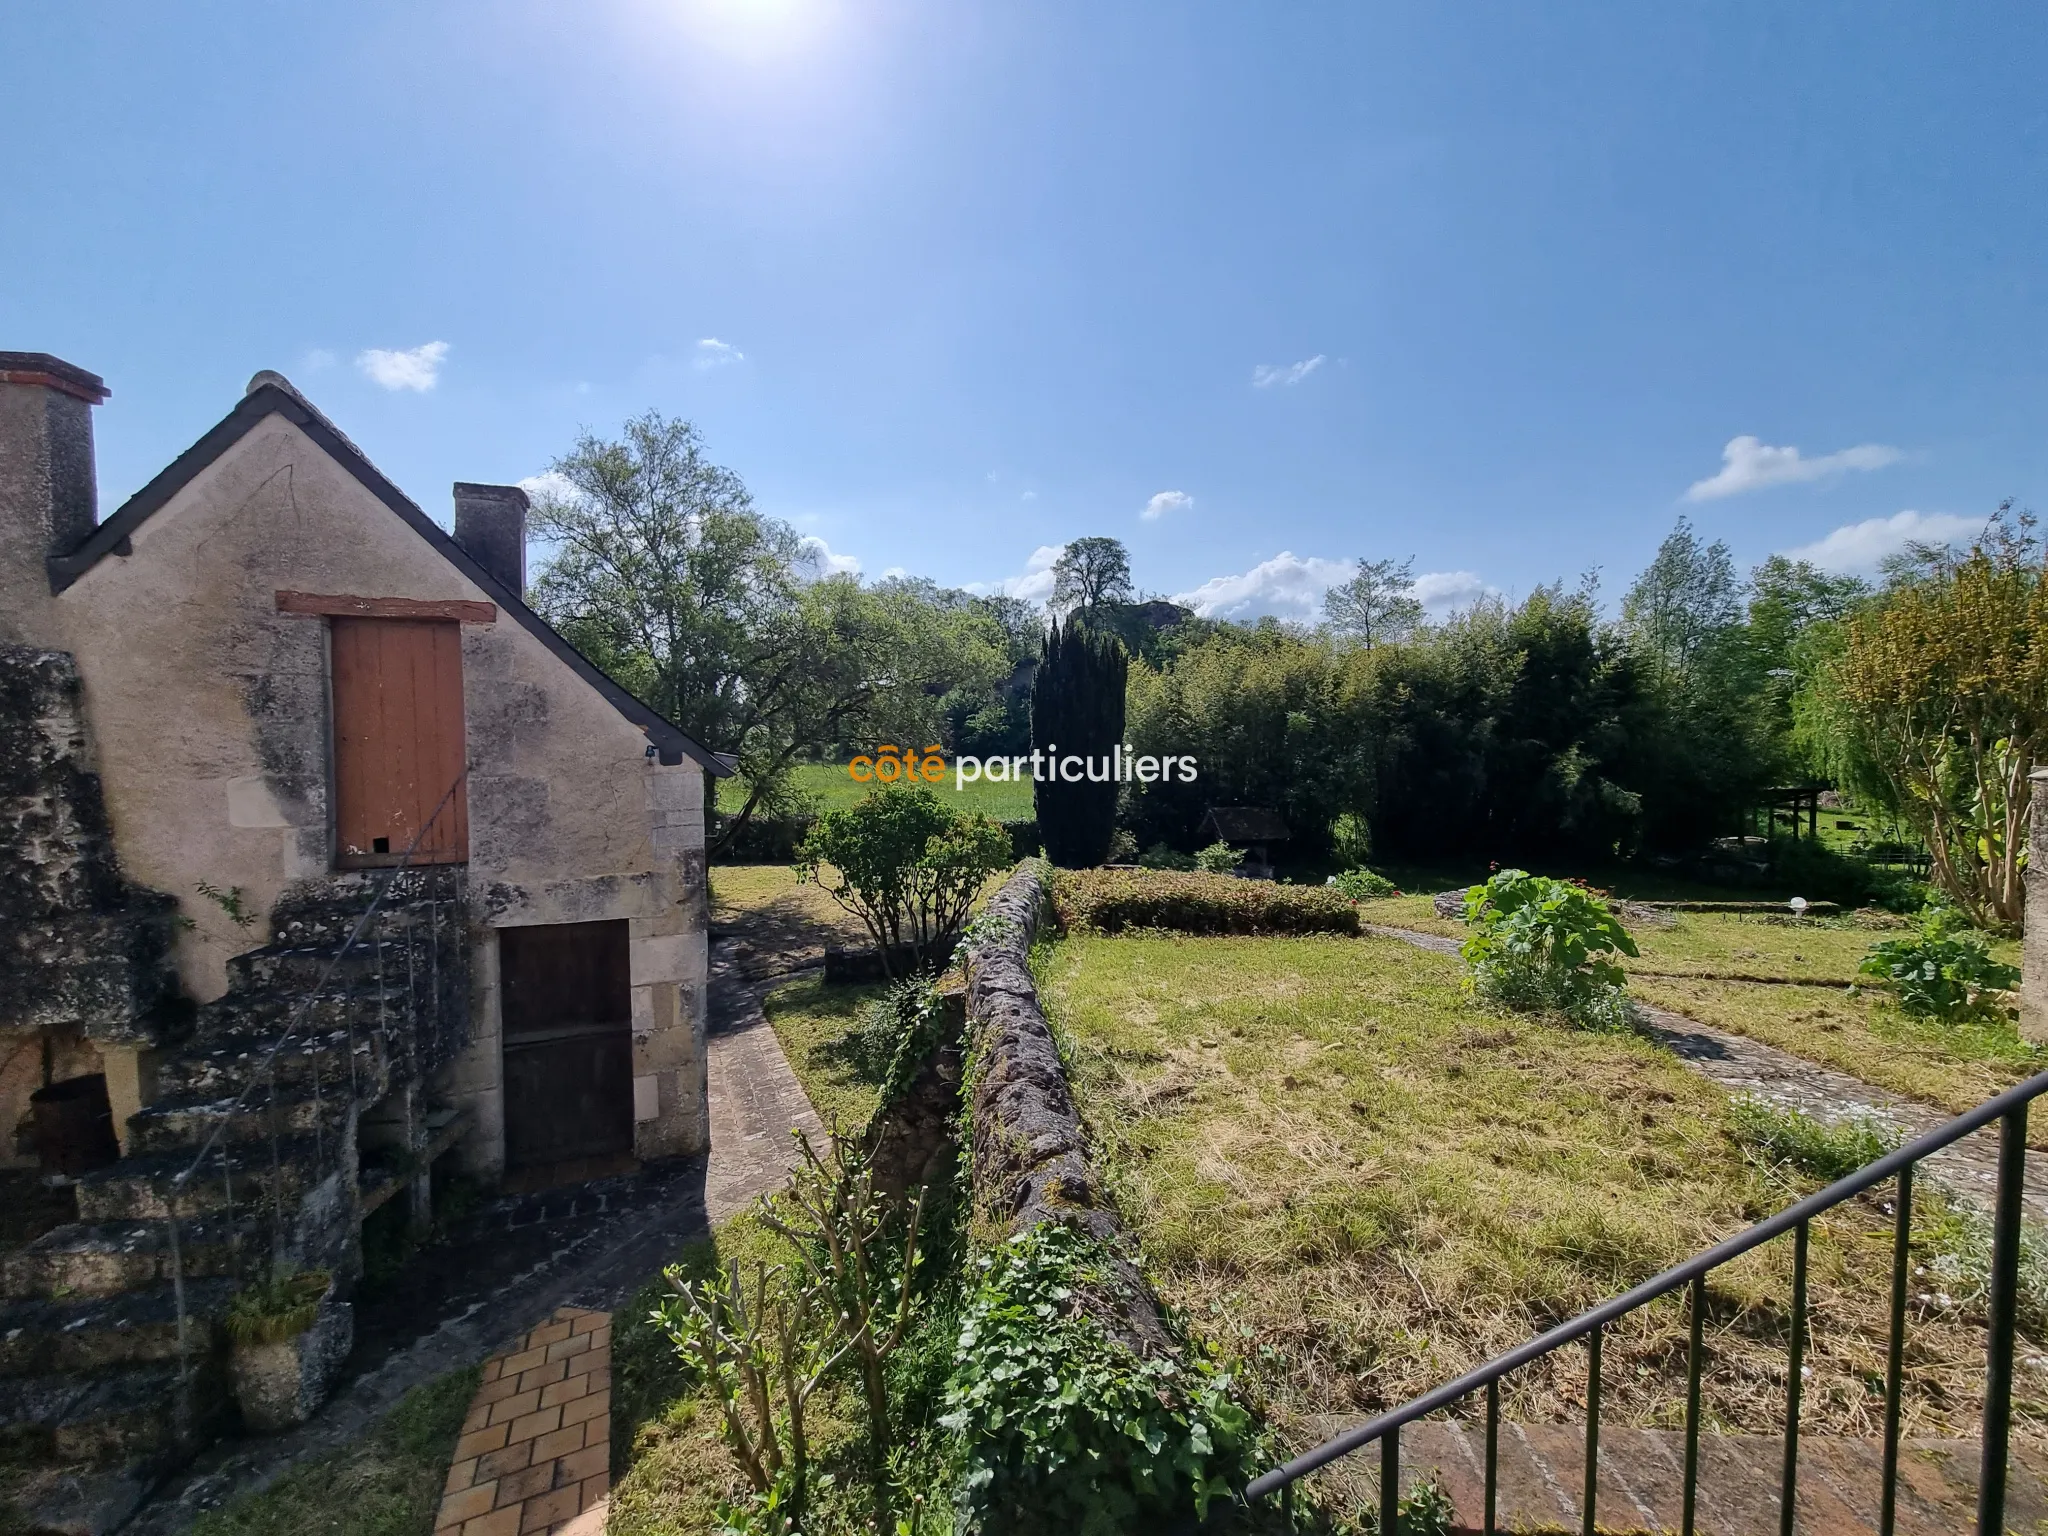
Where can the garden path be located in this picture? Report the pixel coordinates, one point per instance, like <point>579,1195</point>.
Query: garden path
<point>1967,1170</point>
<point>756,1100</point>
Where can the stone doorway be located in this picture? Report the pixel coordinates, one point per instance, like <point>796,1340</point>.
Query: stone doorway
<point>568,1044</point>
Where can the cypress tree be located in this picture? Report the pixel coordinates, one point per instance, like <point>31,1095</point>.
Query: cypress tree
<point>1077,710</point>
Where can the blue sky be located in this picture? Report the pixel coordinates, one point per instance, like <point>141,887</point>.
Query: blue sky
<point>1491,286</point>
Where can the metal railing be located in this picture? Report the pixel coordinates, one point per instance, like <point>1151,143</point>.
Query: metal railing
<point>2009,1109</point>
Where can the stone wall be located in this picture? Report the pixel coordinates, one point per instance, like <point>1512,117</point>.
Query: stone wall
<point>1030,1148</point>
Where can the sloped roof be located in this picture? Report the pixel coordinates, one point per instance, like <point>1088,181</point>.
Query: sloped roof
<point>1244,824</point>
<point>271,394</point>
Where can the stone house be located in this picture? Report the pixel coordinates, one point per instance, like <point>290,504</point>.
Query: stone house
<point>229,714</point>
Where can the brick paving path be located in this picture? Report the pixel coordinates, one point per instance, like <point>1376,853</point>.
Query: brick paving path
<point>1542,1478</point>
<point>756,1099</point>
<point>535,1451</point>
<point>1967,1170</point>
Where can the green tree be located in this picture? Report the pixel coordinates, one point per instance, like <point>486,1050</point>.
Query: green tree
<point>1377,604</point>
<point>908,866</point>
<point>1684,605</point>
<point>669,579</point>
<point>1942,684</point>
<point>1077,712</point>
<point>1089,573</point>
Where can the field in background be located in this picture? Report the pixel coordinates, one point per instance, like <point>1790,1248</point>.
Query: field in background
<point>833,789</point>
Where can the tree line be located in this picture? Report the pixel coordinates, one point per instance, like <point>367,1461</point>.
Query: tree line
<point>1530,729</point>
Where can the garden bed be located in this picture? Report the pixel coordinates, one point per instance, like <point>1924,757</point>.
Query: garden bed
<point>1364,1185</point>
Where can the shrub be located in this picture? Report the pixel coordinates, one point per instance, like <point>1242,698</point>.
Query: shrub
<point>1123,848</point>
<point>907,865</point>
<point>1944,971</point>
<point>1110,901</point>
<point>280,1308</point>
<point>1219,858</point>
<point>1077,706</point>
<point>1058,1427</point>
<point>1541,944</point>
<point>1159,856</point>
<point>1364,884</point>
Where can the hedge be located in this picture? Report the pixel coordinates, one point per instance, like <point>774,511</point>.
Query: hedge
<point>1112,900</point>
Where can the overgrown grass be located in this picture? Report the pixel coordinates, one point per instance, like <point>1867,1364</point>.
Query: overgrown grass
<point>388,1484</point>
<point>1364,1185</point>
<point>835,789</point>
<point>1694,966</point>
<point>817,1026</point>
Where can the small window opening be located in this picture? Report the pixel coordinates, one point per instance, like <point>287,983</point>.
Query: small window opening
<point>380,845</point>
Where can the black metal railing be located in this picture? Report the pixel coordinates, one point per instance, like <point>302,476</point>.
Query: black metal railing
<point>2008,1108</point>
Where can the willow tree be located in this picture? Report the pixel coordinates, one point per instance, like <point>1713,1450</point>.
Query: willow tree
<point>1943,685</point>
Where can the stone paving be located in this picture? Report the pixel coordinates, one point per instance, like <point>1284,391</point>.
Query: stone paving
<point>535,1452</point>
<point>756,1100</point>
<point>1967,1169</point>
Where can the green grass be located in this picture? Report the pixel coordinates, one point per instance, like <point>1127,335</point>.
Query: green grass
<point>833,788</point>
<point>388,1484</point>
<point>813,1022</point>
<point>1363,1184</point>
<point>1695,967</point>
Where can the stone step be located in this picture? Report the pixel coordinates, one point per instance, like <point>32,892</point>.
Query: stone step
<point>138,1188</point>
<point>184,1124</point>
<point>128,1415</point>
<point>83,1335</point>
<point>295,969</point>
<point>106,1258</point>
<point>336,1008</point>
<point>222,1067</point>
<point>1541,1480</point>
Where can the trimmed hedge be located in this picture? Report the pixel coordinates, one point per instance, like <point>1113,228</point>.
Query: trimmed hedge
<point>1112,900</point>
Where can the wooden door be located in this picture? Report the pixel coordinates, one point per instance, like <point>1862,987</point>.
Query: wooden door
<point>398,742</point>
<point>567,1006</point>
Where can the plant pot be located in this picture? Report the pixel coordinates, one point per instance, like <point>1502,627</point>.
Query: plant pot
<point>281,1382</point>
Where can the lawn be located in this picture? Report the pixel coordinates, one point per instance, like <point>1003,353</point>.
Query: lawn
<point>833,788</point>
<point>1362,1185</point>
<point>1742,972</point>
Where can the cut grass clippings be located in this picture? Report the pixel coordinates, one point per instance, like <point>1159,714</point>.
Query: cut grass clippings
<point>388,1484</point>
<point>1363,1185</point>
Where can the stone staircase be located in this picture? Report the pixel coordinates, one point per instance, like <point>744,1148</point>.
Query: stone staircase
<point>89,1313</point>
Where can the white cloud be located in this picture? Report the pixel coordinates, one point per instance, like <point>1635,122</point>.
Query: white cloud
<point>1442,592</point>
<point>1266,375</point>
<point>1285,585</point>
<point>1859,547</point>
<point>1291,587</point>
<point>548,485</point>
<point>815,560</point>
<point>319,358</point>
<point>894,573</point>
<point>1749,464</point>
<point>1165,502</point>
<point>1034,586</point>
<point>415,368</point>
<point>1029,496</point>
<point>713,353</point>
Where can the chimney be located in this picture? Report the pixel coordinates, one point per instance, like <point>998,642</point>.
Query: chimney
<point>49,500</point>
<point>490,525</point>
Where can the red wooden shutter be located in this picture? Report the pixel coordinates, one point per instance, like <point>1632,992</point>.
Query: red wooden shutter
<point>398,742</point>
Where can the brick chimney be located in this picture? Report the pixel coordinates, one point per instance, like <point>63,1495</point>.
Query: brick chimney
<point>490,525</point>
<point>49,497</point>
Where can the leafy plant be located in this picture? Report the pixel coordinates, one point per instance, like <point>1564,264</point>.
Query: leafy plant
<point>1160,856</point>
<point>1219,858</point>
<point>1351,839</point>
<point>763,1356</point>
<point>279,1308</point>
<point>1364,884</point>
<point>837,1223</point>
<point>1942,971</point>
<point>232,901</point>
<point>1061,1428</point>
<point>908,866</point>
<point>1542,944</point>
